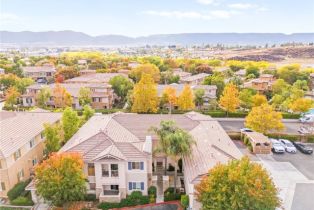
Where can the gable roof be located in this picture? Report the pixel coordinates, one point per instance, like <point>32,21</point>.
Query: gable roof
<point>20,127</point>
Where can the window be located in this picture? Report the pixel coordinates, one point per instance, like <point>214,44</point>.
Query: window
<point>2,186</point>
<point>136,185</point>
<point>92,186</point>
<point>136,165</point>
<point>96,99</point>
<point>105,170</point>
<point>42,135</point>
<point>20,175</point>
<point>114,187</point>
<point>29,100</point>
<point>34,161</point>
<point>114,170</point>
<point>91,169</point>
<point>17,154</point>
<point>31,143</point>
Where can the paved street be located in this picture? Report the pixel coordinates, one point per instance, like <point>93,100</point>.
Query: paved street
<point>235,124</point>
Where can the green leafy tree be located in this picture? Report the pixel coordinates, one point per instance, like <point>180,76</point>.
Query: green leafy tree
<point>218,80</point>
<point>121,86</point>
<point>53,138</point>
<point>246,98</point>
<point>70,123</point>
<point>199,97</point>
<point>60,178</point>
<point>252,70</point>
<point>238,185</point>
<point>85,96</point>
<point>88,112</point>
<point>43,96</point>
<point>23,83</point>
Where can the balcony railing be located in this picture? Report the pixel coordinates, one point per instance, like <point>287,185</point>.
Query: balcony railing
<point>111,192</point>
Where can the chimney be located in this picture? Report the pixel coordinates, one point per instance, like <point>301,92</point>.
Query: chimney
<point>148,145</point>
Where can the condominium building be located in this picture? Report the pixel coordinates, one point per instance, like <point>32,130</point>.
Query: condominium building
<point>21,145</point>
<point>117,150</point>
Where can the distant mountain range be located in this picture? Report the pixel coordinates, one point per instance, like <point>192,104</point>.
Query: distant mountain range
<point>78,38</point>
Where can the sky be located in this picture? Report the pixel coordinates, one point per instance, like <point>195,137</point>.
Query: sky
<point>146,17</point>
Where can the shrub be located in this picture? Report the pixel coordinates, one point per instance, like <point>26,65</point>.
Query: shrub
<point>18,190</point>
<point>310,139</point>
<point>22,201</point>
<point>286,115</point>
<point>170,168</point>
<point>152,190</point>
<point>152,198</point>
<point>136,198</point>
<point>284,136</point>
<point>90,197</point>
<point>235,136</point>
<point>185,201</point>
<point>169,195</point>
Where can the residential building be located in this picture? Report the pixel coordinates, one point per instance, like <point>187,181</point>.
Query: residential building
<point>41,74</point>
<point>182,74</point>
<point>21,145</point>
<point>117,152</point>
<point>209,91</point>
<point>87,71</point>
<point>101,94</point>
<point>196,79</point>
<point>103,78</point>
<point>262,84</point>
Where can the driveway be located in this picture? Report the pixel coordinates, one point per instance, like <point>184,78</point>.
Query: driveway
<point>235,124</point>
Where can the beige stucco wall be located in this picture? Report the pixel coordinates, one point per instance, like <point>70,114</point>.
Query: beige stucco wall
<point>9,173</point>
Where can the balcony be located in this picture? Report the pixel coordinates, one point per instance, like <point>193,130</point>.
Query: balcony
<point>110,196</point>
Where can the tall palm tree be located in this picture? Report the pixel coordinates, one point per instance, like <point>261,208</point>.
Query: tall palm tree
<point>180,145</point>
<point>166,127</point>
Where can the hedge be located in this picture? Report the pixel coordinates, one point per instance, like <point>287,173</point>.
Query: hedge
<point>90,197</point>
<point>185,201</point>
<point>18,190</point>
<point>136,198</point>
<point>22,201</point>
<point>169,195</point>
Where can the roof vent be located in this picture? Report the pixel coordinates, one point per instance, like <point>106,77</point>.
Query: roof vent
<point>147,147</point>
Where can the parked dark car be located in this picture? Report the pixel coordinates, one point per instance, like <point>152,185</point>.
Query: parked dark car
<point>303,148</point>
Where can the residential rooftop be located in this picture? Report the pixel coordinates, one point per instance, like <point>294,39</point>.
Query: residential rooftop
<point>18,128</point>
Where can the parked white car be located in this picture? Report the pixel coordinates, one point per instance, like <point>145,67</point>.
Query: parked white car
<point>307,119</point>
<point>277,147</point>
<point>289,147</point>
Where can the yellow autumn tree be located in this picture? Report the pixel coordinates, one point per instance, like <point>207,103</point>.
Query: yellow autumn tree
<point>229,100</point>
<point>264,119</point>
<point>11,97</point>
<point>169,97</point>
<point>301,105</point>
<point>151,69</point>
<point>185,99</point>
<point>259,99</point>
<point>61,97</point>
<point>145,98</point>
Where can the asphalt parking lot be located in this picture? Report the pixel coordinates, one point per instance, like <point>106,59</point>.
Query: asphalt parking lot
<point>293,174</point>
<point>304,163</point>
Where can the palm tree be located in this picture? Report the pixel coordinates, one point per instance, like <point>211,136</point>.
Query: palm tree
<point>173,142</point>
<point>166,127</point>
<point>180,145</point>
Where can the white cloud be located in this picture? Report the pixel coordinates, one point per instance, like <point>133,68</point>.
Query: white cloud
<point>215,14</point>
<point>206,2</point>
<point>7,18</point>
<point>242,6</point>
